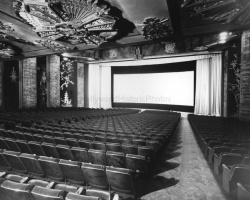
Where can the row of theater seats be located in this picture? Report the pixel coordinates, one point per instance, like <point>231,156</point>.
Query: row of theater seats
<point>66,173</point>
<point>226,145</point>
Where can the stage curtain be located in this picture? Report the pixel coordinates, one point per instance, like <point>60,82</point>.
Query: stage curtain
<point>94,86</point>
<point>106,87</point>
<point>208,86</point>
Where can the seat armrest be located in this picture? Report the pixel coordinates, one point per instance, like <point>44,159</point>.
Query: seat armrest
<point>226,177</point>
<point>2,174</point>
<point>24,179</point>
<point>243,193</point>
<point>80,190</point>
<point>116,197</point>
<point>50,185</point>
<point>216,164</point>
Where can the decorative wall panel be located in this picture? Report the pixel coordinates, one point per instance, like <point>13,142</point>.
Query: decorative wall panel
<point>244,111</point>
<point>80,85</point>
<point>54,81</point>
<point>1,84</point>
<point>29,83</point>
<point>41,82</point>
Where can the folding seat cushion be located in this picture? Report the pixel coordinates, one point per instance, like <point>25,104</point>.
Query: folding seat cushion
<point>15,162</point>
<point>64,152</point>
<point>20,135</point>
<point>73,142</point>
<point>125,140</point>
<point>116,159</point>
<point>32,165</point>
<point>72,171</point>
<point>129,149</point>
<point>60,140</point>
<point>23,146</point>
<point>39,182</point>
<point>17,191</point>
<point>101,194</point>
<point>116,147</point>
<point>74,196</point>
<point>29,136</point>
<point>68,135</point>
<point>85,143</point>
<point>12,145</point>
<point>101,138</point>
<point>36,148</point>
<point>3,144</point>
<point>4,165</point>
<point>97,157</point>
<point>79,135</point>
<point>38,138</point>
<point>50,150</point>
<point>80,154</point>
<point>137,163</point>
<point>89,137</point>
<point>41,193</point>
<point>121,181</point>
<point>146,151</point>
<point>67,188</point>
<point>49,139</point>
<point>113,139</point>
<point>95,175</point>
<point>243,192</point>
<point>98,145</point>
<point>51,168</point>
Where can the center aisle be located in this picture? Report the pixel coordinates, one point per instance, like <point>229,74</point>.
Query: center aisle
<point>182,173</point>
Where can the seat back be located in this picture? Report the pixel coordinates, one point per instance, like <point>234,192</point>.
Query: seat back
<point>97,157</point>
<point>32,165</point>
<point>147,151</point>
<point>64,152</point>
<point>116,159</point>
<point>129,149</point>
<point>139,142</point>
<point>12,144</point>
<point>50,150</point>
<point>38,138</point>
<point>80,154</point>
<point>246,161</point>
<point>51,168</point>
<point>17,191</point>
<point>60,140</point>
<point>41,193</point>
<point>230,159</point>
<point>115,147</point>
<point>72,171</point>
<point>36,148</point>
<point>121,180</point>
<point>137,163</point>
<point>15,162</point>
<point>98,145</point>
<point>23,146</point>
<point>4,165</point>
<point>3,144</point>
<point>85,144</point>
<point>240,174</point>
<point>95,175</point>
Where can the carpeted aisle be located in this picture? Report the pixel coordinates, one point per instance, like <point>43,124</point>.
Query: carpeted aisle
<point>181,173</point>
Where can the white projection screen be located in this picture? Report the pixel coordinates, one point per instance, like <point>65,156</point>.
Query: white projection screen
<point>172,88</point>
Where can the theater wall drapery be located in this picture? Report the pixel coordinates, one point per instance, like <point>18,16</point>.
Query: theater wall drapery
<point>208,81</point>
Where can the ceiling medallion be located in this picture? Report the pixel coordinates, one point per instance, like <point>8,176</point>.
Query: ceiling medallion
<point>6,51</point>
<point>75,22</point>
<point>53,45</point>
<point>223,11</point>
<point>156,28</point>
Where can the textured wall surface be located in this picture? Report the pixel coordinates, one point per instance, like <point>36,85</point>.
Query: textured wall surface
<point>80,85</point>
<point>245,77</point>
<point>29,83</point>
<point>1,84</point>
<point>54,81</point>
<point>225,79</point>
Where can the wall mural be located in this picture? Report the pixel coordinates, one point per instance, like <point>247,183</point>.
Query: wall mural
<point>67,82</point>
<point>75,22</point>
<point>234,56</point>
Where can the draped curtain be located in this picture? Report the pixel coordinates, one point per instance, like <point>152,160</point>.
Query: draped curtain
<point>94,86</point>
<point>208,86</point>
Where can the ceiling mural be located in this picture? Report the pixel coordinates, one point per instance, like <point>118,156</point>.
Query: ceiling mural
<point>75,22</point>
<point>54,46</point>
<point>223,11</point>
<point>15,39</point>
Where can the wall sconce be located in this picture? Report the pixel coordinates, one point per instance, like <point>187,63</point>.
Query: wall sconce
<point>13,76</point>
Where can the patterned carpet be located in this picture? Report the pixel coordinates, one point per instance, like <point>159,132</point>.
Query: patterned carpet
<point>181,172</point>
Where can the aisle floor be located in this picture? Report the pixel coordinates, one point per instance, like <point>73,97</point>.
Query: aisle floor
<point>181,172</point>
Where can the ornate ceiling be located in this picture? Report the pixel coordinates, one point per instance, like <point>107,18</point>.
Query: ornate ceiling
<point>42,27</point>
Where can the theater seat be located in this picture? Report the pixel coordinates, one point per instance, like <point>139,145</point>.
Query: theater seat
<point>23,146</point>
<point>64,152</point>
<point>38,182</point>
<point>121,181</point>
<point>243,192</point>
<point>12,144</point>
<point>129,149</point>
<point>36,148</point>
<point>32,165</point>
<point>97,157</point>
<point>4,165</point>
<point>74,196</point>
<point>115,147</point>
<point>17,191</point>
<point>51,168</point>
<point>116,159</point>
<point>72,171</point>
<point>50,150</point>
<point>41,193</point>
<point>95,175</point>
<point>137,163</point>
